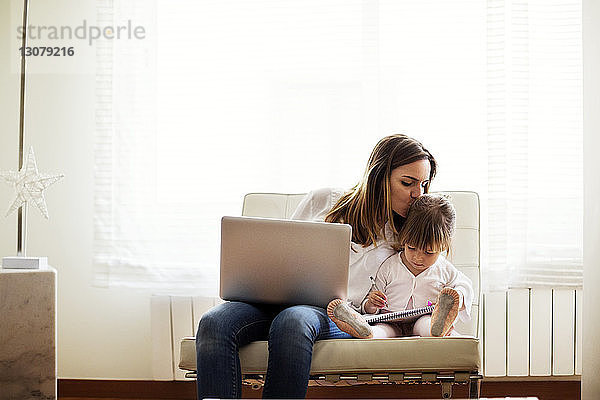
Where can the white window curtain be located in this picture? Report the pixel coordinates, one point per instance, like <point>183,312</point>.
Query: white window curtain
<point>227,97</point>
<point>534,126</point>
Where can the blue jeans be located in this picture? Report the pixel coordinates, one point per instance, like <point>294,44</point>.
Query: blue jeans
<point>291,333</point>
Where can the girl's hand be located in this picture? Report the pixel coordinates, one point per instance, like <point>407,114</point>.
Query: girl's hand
<point>375,300</point>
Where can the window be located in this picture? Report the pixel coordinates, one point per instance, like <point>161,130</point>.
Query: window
<point>227,97</point>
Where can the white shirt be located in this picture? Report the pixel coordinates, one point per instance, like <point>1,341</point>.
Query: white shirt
<point>401,286</point>
<point>364,261</point>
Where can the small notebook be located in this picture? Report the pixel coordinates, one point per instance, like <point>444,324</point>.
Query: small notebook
<point>399,316</point>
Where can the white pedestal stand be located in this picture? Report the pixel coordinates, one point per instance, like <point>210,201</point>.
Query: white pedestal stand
<point>28,333</point>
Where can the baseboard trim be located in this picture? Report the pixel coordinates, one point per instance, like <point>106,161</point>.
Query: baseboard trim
<point>129,389</point>
<point>126,389</point>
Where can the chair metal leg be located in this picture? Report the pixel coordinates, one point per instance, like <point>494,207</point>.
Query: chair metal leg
<point>474,388</point>
<point>446,389</point>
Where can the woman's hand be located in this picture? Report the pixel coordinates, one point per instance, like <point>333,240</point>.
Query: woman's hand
<point>375,300</point>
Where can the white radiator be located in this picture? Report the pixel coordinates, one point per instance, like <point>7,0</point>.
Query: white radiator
<point>532,332</point>
<point>173,318</point>
<point>526,332</point>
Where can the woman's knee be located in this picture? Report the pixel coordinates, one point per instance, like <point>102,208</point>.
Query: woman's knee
<point>299,321</point>
<point>211,325</point>
<point>234,322</point>
<point>221,320</point>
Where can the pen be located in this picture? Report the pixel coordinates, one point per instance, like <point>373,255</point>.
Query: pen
<point>374,286</point>
<point>373,283</point>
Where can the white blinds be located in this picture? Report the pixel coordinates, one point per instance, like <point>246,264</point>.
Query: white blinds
<point>534,125</point>
<point>228,97</point>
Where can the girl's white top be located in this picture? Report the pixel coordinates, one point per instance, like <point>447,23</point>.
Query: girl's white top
<point>400,285</point>
<point>364,261</point>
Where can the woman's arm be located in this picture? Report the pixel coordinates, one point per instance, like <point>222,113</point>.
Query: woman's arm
<point>304,209</point>
<point>316,205</point>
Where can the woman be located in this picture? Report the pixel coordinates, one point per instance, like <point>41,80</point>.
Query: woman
<point>399,170</point>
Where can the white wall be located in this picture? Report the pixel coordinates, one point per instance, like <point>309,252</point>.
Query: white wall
<point>591,244</point>
<point>102,333</point>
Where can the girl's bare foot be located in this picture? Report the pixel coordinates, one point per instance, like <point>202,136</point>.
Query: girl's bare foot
<point>348,320</point>
<point>445,312</point>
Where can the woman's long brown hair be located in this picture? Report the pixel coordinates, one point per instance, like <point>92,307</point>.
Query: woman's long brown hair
<point>368,206</point>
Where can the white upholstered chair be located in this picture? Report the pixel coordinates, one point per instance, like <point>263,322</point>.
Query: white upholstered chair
<point>448,360</point>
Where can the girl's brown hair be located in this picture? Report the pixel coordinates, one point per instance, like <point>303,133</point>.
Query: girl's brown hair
<point>429,225</point>
<point>368,206</point>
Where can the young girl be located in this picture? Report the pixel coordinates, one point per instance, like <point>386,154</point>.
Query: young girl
<point>417,275</point>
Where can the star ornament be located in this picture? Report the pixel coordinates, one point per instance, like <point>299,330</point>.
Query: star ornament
<point>29,185</point>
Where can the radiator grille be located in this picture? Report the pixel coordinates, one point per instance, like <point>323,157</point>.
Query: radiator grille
<point>526,332</point>
<point>532,332</point>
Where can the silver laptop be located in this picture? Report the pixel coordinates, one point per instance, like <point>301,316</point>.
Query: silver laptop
<point>283,261</point>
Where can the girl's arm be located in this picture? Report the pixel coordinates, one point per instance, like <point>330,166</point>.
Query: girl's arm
<point>376,299</point>
<point>462,284</point>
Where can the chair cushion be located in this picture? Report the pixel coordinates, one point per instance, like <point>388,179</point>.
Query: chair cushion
<point>339,356</point>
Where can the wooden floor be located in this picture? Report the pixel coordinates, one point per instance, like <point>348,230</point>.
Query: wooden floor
<point>70,389</point>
